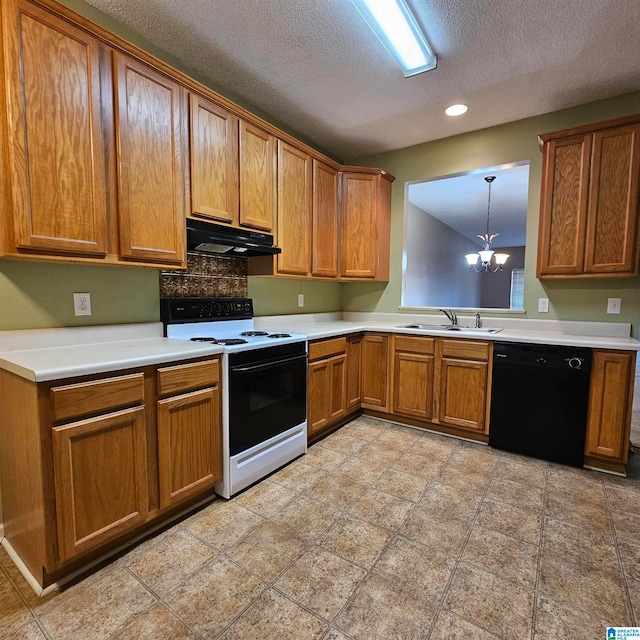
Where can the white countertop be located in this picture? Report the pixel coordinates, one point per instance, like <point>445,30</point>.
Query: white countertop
<point>600,335</point>
<point>52,354</point>
<point>65,353</point>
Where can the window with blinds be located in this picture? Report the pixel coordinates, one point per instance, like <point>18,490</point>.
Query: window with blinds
<point>516,299</point>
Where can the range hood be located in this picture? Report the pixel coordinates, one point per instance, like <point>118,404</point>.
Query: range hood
<point>216,239</point>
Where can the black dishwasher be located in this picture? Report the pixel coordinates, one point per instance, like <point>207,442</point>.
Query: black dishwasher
<point>539,399</point>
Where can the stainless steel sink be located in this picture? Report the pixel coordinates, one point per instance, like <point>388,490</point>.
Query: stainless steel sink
<point>450,327</point>
<point>430,327</point>
<point>455,327</point>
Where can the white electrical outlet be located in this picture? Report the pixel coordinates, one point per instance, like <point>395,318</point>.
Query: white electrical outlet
<point>613,305</point>
<point>301,299</point>
<point>543,305</point>
<point>82,304</point>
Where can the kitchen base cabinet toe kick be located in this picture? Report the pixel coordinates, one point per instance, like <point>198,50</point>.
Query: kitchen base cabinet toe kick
<point>90,464</point>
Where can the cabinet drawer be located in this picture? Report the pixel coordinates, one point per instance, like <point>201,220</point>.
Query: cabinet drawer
<point>470,349</point>
<point>326,348</point>
<point>97,396</point>
<point>413,344</point>
<point>186,377</point>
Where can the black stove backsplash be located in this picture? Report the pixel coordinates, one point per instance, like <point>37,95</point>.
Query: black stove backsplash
<point>207,276</point>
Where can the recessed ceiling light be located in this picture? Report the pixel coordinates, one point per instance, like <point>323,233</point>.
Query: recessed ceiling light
<point>456,109</point>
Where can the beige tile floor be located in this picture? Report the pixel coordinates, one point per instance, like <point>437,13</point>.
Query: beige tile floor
<point>380,531</point>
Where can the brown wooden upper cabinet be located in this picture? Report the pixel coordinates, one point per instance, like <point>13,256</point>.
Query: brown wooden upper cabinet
<point>324,254</point>
<point>366,221</point>
<point>150,163</point>
<point>108,149</point>
<point>257,178</point>
<point>233,168</point>
<point>589,201</point>
<point>294,210</point>
<point>55,150</point>
<point>213,136</point>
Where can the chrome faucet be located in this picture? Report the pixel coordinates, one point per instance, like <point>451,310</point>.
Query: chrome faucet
<point>451,314</point>
<point>478,321</point>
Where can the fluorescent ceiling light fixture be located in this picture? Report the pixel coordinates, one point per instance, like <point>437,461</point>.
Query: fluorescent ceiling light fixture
<point>456,109</point>
<point>397,29</point>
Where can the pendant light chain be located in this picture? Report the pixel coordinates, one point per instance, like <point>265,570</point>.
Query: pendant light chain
<point>489,179</point>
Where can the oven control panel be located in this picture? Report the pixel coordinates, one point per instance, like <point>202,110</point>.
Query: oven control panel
<point>203,309</point>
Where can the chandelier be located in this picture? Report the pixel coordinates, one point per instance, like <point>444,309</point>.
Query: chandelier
<point>486,254</point>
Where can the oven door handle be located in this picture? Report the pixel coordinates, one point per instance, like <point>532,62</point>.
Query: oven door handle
<point>266,365</point>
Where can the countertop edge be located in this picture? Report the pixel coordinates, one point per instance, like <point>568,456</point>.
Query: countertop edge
<point>161,351</point>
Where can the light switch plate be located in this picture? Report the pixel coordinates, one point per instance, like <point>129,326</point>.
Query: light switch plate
<point>301,299</point>
<point>543,305</point>
<point>614,305</point>
<point>82,304</point>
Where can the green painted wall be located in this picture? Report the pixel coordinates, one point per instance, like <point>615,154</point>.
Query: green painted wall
<point>279,296</point>
<point>568,300</point>
<point>36,295</point>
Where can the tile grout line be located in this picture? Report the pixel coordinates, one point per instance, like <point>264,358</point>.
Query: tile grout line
<point>461,554</point>
<point>623,573</point>
<point>536,592</point>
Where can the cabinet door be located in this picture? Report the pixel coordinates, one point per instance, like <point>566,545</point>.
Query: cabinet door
<point>257,178</point>
<point>101,482</point>
<point>463,391</point>
<point>610,398</point>
<point>563,205</point>
<point>294,210</point>
<point>375,361</point>
<point>189,445</point>
<point>324,257</point>
<point>413,379</point>
<point>327,392</point>
<point>56,149</point>
<point>359,225</point>
<point>150,163</point>
<point>319,384</point>
<point>612,227</point>
<point>214,161</point>
<point>354,372</point>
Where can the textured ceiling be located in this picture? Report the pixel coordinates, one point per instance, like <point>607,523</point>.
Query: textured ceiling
<point>314,65</point>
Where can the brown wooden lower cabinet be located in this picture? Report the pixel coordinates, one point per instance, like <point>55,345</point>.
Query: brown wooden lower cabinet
<point>189,447</point>
<point>100,480</point>
<point>610,406</point>
<point>81,460</point>
<point>413,376</point>
<point>441,382</point>
<point>463,384</point>
<point>375,376</point>
<point>327,384</point>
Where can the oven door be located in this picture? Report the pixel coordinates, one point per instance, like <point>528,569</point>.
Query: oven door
<point>267,394</point>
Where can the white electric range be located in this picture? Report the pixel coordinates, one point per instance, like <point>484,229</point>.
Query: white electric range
<point>264,385</point>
